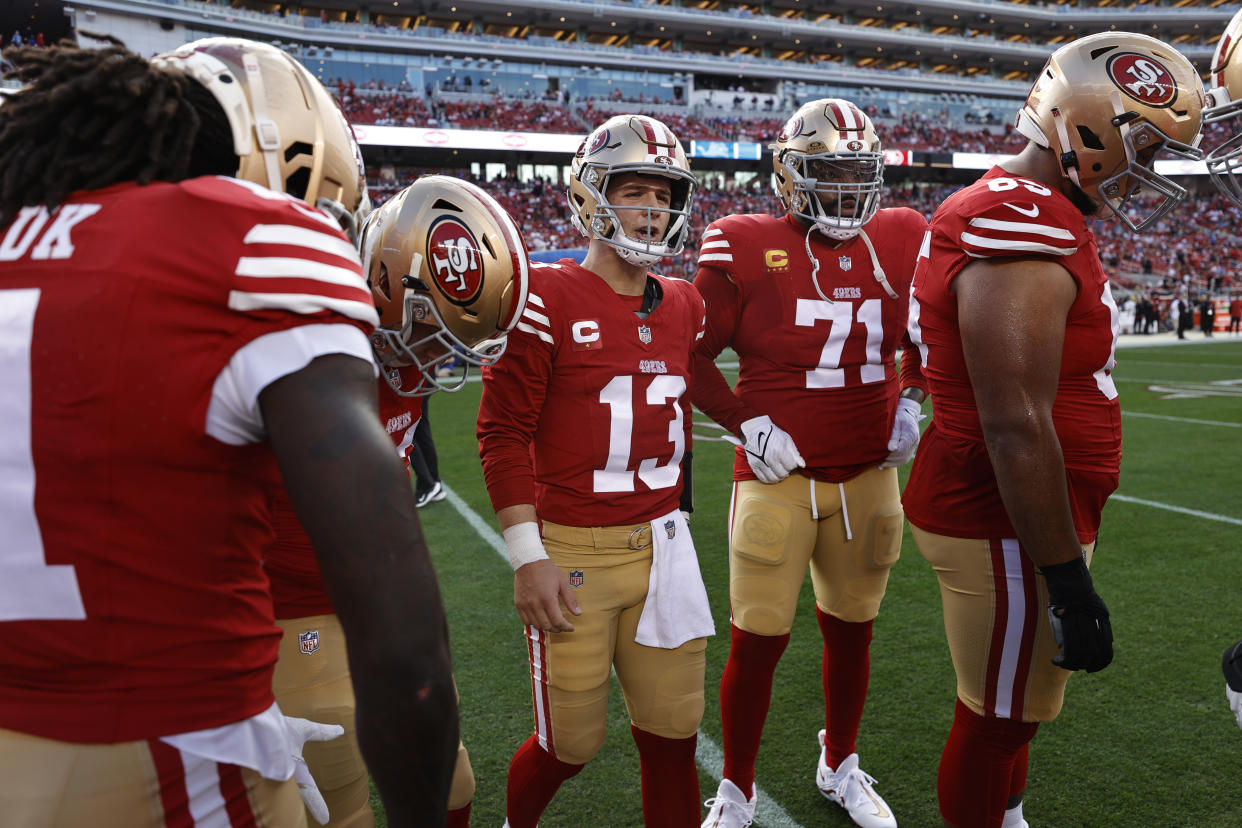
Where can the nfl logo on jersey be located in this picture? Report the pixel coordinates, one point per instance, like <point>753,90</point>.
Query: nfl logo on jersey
<point>845,261</point>
<point>576,578</point>
<point>644,334</point>
<point>308,642</point>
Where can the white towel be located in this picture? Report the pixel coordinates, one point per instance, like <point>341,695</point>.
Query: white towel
<point>676,610</point>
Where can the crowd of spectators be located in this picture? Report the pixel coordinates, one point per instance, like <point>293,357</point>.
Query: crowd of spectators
<point>377,104</point>
<point>1192,250</point>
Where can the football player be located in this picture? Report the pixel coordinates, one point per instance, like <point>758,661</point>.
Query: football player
<point>583,428</point>
<point>173,333</point>
<point>814,302</point>
<point>1224,161</point>
<point>447,271</point>
<point>1016,330</point>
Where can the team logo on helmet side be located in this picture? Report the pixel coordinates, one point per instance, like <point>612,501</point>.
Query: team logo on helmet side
<point>1143,78</point>
<point>598,141</point>
<point>456,266</point>
<point>791,128</point>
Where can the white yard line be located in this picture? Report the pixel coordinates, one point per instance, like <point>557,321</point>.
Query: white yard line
<point>707,754</point>
<point>1180,419</point>
<point>1155,504</point>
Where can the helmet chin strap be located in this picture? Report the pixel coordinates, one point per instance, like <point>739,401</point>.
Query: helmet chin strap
<point>1064,139</point>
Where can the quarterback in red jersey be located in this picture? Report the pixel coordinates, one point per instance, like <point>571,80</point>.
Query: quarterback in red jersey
<point>466,294</point>
<point>583,428</point>
<point>219,329</point>
<point>814,303</point>
<point>1016,330</point>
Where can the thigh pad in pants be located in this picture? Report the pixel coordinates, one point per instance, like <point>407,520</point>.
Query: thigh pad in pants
<point>770,541</point>
<point>850,576</point>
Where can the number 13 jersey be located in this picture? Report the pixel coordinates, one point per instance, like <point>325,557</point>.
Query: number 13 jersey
<point>596,396</point>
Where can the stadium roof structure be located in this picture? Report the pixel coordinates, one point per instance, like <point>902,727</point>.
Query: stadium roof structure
<point>991,37</point>
<point>982,47</point>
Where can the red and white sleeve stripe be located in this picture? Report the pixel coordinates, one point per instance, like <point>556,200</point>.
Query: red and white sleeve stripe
<point>535,319</point>
<point>987,238</point>
<point>300,269</point>
<point>715,247</point>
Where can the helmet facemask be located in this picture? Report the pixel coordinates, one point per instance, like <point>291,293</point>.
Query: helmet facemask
<point>838,193</point>
<point>1224,162</point>
<point>426,343</point>
<point>1129,193</point>
<point>606,224</point>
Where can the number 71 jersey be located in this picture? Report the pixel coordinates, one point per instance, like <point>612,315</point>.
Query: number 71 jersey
<point>595,396</point>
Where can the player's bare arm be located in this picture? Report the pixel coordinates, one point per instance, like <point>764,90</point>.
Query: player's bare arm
<point>1012,317</point>
<point>354,500</point>
<point>539,586</point>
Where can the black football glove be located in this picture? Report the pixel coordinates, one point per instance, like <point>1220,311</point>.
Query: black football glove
<point>1079,618</point>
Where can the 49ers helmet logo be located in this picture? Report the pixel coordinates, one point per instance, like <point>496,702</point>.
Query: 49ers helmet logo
<point>598,140</point>
<point>1143,78</point>
<point>456,265</point>
<point>792,128</point>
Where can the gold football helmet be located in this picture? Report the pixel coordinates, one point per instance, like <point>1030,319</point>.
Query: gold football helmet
<point>448,272</point>
<point>630,144</point>
<point>828,167</point>
<point>288,133</point>
<point>1110,105</point>
<point>1224,162</point>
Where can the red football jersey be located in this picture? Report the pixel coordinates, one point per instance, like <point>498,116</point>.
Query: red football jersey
<point>952,489</point>
<point>297,587</point>
<point>824,371</point>
<point>139,325</point>
<point>596,396</point>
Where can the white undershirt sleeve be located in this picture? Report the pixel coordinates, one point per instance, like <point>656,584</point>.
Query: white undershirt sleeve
<point>233,416</point>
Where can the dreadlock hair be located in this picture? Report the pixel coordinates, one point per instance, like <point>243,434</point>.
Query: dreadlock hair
<point>90,118</point>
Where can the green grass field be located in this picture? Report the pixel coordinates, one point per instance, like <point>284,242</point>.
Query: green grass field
<point>1148,742</point>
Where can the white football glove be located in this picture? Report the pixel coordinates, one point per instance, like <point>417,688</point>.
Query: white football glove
<point>770,450</point>
<point>1235,703</point>
<point>905,437</point>
<point>301,731</point>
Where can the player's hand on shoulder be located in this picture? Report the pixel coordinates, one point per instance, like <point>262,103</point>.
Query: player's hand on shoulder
<point>538,589</point>
<point>770,450</point>
<point>1079,618</point>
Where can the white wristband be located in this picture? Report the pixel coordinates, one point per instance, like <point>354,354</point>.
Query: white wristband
<point>525,544</point>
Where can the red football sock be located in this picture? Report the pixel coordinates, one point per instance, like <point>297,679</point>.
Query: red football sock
<point>977,767</point>
<point>847,670</point>
<point>670,780</point>
<point>534,778</point>
<point>1017,780</point>
<point>459,818</point>
<point>745,693</point>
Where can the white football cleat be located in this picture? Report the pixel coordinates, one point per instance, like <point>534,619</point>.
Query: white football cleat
<point>729,808</point>
<point>852,788</point>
